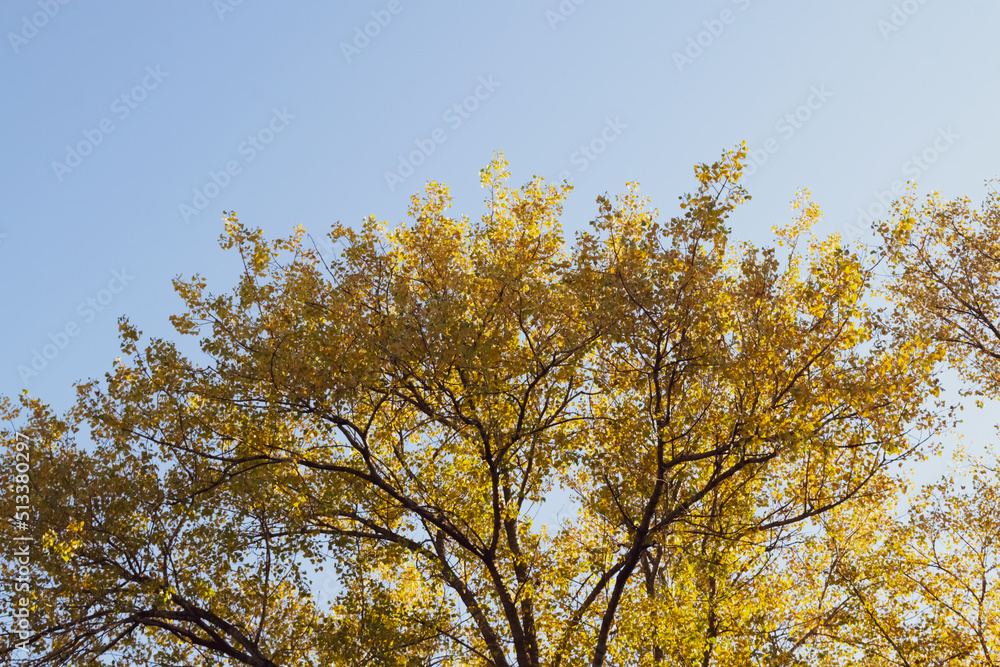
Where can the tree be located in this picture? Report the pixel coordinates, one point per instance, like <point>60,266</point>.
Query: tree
<point>927,589</point>
<point>726,418</point>
<point>945,257</point>
<point>929,593</point>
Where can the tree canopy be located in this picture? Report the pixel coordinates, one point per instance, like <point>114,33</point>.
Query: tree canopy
<point>730,424</point>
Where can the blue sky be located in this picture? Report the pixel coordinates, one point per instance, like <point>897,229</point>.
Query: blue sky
<point>128,127</point>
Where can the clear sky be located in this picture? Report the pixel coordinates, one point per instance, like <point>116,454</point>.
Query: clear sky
<point>128,127</point>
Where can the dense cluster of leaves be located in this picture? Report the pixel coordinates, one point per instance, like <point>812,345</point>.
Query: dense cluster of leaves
<point>726,421</point>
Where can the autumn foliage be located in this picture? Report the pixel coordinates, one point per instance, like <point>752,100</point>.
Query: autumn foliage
<point>730,425</point>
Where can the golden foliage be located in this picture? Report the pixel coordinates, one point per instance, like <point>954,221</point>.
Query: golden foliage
<point>726,418</point>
